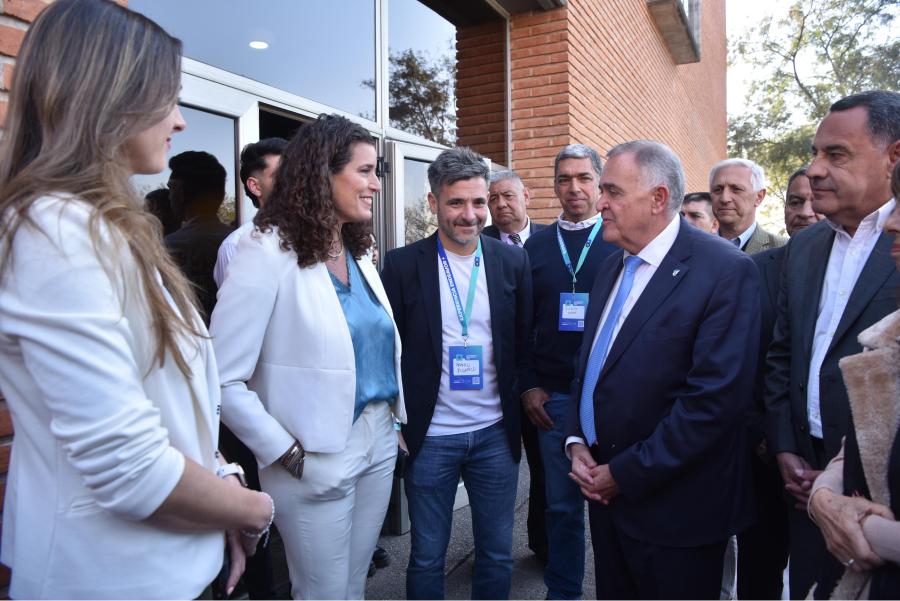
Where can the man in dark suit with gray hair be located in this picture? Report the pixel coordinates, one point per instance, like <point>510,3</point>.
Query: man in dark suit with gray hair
<point>664,379</point>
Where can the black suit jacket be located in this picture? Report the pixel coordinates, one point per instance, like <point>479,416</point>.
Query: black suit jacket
<point>670,402</point>
<point>494,232</point>
<point>410,277</point>
<point>787,364</point>
<point>769,263</point>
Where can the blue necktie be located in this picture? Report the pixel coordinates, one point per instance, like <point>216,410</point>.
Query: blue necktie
<point>601,350</point>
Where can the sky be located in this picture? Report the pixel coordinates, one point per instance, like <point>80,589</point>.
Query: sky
<point>740,16</point>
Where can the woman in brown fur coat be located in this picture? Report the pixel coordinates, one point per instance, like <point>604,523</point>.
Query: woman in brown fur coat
<point>857,497</point>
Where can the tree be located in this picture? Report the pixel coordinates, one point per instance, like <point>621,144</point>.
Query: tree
<point>819,52</point>
<point>421,92</point>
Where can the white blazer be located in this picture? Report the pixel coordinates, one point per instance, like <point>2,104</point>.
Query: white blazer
<point>284,351</point>
<point>101,430</point>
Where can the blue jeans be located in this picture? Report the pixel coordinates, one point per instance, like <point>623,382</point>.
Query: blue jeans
<point>484,461</point>
<point>565,508</point>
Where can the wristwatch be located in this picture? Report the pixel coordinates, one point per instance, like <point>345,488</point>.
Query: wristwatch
<point>232,469</point>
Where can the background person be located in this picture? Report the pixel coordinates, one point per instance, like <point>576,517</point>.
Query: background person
<point>196,191</point>
<point>737,188</point>
<point>311,373</point>
<point>698,211</point>
<point>508,198</point>
<point>259,161</point>
<point>104,360</point>
<point>565,260</point>
<point>157,203</point>
<point>798,204</point>
<point>764,547</point>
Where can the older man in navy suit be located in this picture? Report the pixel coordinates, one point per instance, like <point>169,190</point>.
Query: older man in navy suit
<point>665,377</point>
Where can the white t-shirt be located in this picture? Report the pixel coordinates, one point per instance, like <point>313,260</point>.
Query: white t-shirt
<point>459,411</point>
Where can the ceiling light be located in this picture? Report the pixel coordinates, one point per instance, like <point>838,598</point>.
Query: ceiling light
<point>258,45</point>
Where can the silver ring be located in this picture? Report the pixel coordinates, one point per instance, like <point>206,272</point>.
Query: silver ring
<point>849,562</point>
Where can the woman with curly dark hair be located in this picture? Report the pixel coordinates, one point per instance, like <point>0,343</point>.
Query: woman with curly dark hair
<point>309,358</point>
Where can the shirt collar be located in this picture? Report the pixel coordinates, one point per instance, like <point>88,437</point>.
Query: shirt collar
<point>871,223</point>
<point>523,233</point>
<point>659,247</point>
<point>581,225</point>
<point>745,236</point>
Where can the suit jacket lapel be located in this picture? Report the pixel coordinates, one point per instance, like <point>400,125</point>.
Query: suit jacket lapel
<point>668,275</point>
<point>878,268</point>
<point>814,263</point>
<point>493,273</point>
<point>427,266</point>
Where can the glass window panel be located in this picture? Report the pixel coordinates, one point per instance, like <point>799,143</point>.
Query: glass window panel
<point>324,51</point>
<point>422,88</point>
<point>205,131</point>
<point>420,221</point>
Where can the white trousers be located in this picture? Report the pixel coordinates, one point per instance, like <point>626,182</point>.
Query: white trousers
<point>330,519</point>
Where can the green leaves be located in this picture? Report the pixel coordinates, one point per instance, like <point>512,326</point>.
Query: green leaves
<point>814,53</point>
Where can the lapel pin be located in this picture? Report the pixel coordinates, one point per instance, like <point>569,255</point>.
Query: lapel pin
<point>675,273</point>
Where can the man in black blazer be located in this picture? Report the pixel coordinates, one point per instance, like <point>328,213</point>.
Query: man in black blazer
<point>763,548</point>
<point>837,280</point>
<point>462,305</point>
<point>508,198</point>
<point>664,380</point>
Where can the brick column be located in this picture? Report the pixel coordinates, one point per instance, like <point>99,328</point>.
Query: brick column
<point>481,89</point>
<point>541,108</point>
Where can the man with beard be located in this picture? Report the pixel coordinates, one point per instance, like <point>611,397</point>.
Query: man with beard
<point>462,305</point>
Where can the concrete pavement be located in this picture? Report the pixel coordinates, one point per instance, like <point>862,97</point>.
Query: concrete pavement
<point>527,581</point>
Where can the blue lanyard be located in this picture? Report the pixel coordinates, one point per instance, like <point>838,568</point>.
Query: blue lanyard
<point>584,251</point>
<point>464,316</point>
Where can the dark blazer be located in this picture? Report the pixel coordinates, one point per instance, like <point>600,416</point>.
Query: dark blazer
<point>787,364</point>
<point>494,232</point>
<point>671,398</point>
<point>410,278</point>
<point>769,263</point>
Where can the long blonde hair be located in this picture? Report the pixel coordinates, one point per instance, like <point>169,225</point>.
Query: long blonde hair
<point>91,75</point>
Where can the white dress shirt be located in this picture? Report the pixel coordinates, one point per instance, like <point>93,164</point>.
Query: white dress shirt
<point>652,255</point>
<point>523,235</point>
<point>226,252</point>
<point>846,261</point>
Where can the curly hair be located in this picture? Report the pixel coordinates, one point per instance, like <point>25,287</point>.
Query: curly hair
<point>301,204</point>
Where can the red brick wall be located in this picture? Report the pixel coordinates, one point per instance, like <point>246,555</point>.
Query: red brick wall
<point>481,89</point>
<point>598,72</point>
<point>541,114</point>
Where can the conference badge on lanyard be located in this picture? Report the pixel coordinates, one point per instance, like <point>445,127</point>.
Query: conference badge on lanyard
<point>466,361</point>
<point>573,305</point>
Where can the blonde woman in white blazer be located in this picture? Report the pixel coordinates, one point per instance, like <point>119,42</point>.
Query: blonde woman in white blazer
<point>113,389</point>
<point>309,358</point>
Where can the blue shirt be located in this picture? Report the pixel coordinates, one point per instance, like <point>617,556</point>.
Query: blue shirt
<point>372,333</point>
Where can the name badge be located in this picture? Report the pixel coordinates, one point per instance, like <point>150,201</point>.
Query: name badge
<point>466,369</point>
<point>572,309</point>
